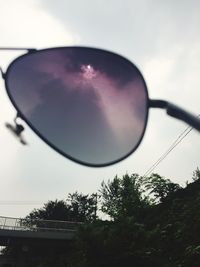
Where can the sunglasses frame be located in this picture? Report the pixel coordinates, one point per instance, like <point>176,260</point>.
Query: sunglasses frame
<point>171,109</point>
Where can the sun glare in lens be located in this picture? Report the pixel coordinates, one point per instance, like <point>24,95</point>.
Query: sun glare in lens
<point>88,72</point>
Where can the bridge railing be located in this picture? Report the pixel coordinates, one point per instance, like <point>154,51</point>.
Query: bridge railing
<point>18,224</point>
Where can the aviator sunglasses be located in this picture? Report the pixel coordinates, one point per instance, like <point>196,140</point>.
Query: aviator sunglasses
<point>88,104</point>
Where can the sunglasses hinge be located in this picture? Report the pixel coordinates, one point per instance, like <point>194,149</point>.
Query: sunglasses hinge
<point>17,129</point>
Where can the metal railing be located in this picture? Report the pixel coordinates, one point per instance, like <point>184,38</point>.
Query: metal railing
<point>18,224</point>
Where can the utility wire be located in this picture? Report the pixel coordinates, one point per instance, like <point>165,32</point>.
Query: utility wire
<point>173,145</point>
<point>168,150</point>
<point>23,202</point>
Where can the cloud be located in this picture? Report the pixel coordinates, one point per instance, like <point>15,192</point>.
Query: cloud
<point>161,37</point>
<point>25,24</point>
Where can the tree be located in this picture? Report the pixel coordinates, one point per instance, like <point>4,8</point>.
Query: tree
<point>141,234</point>
<point>83,207</point>
<point>196,175</point>
<point>160,187</point>
<point>123,197</point>
<point>166,235</point>
<point>52,210</point>
<point>78,208</point>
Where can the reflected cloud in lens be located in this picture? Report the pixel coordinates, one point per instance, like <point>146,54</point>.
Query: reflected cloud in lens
<point>91,105</point>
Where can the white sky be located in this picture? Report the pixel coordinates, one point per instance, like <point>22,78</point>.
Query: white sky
<point>161,37</point>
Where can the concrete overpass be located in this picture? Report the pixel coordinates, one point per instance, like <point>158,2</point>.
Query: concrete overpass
<point>17,228</point>
<point>31,235</point>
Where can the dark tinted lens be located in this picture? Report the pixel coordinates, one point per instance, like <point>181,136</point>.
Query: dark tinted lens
<point>89,104</point>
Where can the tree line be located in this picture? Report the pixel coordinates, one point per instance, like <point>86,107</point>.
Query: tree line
<point>152,222</point>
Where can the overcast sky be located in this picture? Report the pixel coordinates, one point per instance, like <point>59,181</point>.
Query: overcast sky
<point>161,37</point>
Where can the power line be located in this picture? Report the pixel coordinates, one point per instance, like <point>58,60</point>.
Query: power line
<point>173,145</point>
<point>22,202</point>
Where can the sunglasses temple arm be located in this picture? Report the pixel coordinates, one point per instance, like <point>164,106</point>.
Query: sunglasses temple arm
<point>176,112</point>
<point>17,49</point>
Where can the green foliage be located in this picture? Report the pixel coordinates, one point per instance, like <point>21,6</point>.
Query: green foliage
<point>165,234</point>
<point>78,208</point>
<point>121,243</point>
<point>83,207</point>
<point>160,187</point>
<point>196,175</point>
<point>123,197</point>
<point>52,210</point>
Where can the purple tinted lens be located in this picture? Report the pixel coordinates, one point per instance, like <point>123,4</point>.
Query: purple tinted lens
<point>88,104</point>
